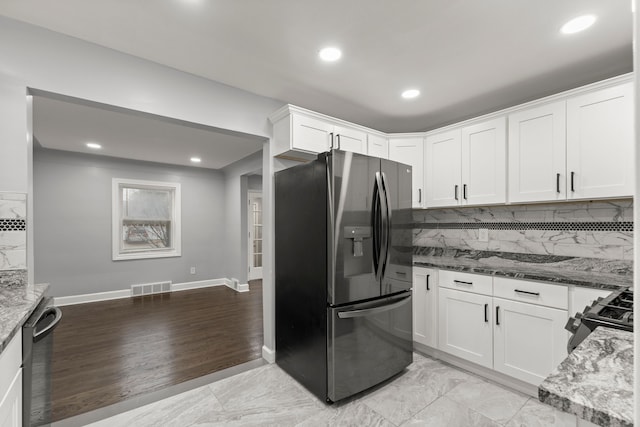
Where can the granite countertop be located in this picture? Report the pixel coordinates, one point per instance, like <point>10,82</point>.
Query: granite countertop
<point>585,272</point>
<point>595,382</point>
<point>17,302</point>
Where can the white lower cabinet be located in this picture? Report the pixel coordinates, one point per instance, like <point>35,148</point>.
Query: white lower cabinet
<point>11,404</point>
<point>11,384</point>
<point>425,306</point>
<point>464,328</point>
<point>515,327</point>
<point>529,340</point>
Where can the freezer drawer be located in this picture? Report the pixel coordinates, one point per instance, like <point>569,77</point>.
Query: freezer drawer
<point>367,344</point>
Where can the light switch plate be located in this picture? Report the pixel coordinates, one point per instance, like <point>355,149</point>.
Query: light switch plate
<point>483,234</point>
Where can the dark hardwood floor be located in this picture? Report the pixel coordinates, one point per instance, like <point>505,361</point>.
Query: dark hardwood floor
<point>107,352</point>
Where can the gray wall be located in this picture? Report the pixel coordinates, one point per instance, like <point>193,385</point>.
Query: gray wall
<point>72,223</point>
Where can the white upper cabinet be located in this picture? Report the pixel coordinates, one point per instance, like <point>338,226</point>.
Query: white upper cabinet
<point>537,154</point>
<point>349,139</point>
<point>580,147</point>
<point>600,143</point>
<point>310,134</point>
<point>484,163</point>
<point>442,169</point>
<point>378,146</point>
<point>302,134</point>
<point>410,151</point>
<point>467,166</point>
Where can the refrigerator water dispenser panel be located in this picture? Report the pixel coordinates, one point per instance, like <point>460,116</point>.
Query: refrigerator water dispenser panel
<point>356,234</point>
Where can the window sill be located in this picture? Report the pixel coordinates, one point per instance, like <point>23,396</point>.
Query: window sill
<point>146,255</point>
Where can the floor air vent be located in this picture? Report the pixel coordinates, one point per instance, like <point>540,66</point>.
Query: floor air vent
<point>150,288</point>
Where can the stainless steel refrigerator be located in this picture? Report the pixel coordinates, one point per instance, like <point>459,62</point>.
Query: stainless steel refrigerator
<point>343,272</point>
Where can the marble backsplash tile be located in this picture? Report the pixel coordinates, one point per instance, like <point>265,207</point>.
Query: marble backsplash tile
<point>13,238</point>
<point>598,229</point>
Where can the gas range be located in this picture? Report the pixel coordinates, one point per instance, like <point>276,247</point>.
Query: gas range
<point>614,311</point>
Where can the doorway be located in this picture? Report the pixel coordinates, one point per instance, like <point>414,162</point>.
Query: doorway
<point>254,234</point>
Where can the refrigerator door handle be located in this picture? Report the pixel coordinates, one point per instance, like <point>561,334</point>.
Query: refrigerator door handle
<point>381,232</point>
<point>386,221</point>
<point>349,314</point>
<point>375,221</point>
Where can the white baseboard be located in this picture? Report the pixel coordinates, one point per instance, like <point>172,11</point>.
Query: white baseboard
<point>268,354</point>
<point>126,293</point>
<point>198,284</point>
<point>487,373</point>
<point>98,296</point>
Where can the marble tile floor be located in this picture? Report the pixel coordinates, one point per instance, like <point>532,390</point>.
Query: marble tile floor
<point>428,393</point>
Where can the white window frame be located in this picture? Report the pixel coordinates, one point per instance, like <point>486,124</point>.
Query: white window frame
<point>116,215</point>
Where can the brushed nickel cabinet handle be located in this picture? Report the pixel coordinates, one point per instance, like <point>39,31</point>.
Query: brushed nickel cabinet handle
<point>572,179</point>
<point>527,292</point>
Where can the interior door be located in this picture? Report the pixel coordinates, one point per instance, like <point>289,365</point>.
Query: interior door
<point>398,271</point>
<point>255,235</point>
<point>351,267</point>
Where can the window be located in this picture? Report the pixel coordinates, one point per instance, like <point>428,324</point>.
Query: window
<point>146,219</point>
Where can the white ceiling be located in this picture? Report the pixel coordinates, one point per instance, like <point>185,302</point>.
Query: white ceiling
<point>63,124</point>
<point>466,56</point>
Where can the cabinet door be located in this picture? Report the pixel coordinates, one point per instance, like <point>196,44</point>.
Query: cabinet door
<point>529,340</point>
<point>600,143</point>
<point>425,305</point>
<point>442,169</point>
<point>378,146</point>
<point>310,135</point>
<point>410,151</point>
<point>537,154</point>
<point>484,163</point>
<point>349,139</point>
<point>11,403</point>
<point>464,326</point>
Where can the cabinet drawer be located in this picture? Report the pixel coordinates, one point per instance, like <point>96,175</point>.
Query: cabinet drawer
<point>466,282</point>
<point>546,294</point>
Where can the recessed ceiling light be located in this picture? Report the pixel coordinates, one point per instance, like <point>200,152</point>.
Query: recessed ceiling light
<point>578,24</point>
<point>330,54</point>
<point>94,145</point>
<point>196,159</point>
<point>410,93</point>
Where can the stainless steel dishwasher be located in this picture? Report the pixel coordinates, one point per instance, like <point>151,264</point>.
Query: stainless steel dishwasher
<point>37,352</point>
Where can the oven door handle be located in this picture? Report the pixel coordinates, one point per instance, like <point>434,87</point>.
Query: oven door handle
<point>43,333</point>
<point>349,314</point>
